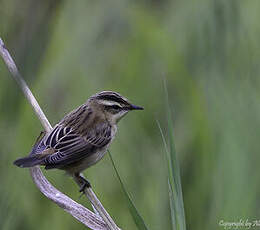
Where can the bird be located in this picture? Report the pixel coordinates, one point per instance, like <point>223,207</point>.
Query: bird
<point>81,138</point>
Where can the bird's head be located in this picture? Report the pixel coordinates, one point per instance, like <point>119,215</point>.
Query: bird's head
<point>112,105</point>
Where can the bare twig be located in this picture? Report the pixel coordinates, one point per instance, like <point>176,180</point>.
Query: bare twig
<point>90,219</point>
<point>78,211</point>
<point>27,92</point>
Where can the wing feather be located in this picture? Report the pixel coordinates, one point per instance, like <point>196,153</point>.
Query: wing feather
<point>71,147</point>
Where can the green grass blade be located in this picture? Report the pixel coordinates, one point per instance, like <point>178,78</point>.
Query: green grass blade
<point>174,179</point>
<point>140,224</point>
<point>171,183</point>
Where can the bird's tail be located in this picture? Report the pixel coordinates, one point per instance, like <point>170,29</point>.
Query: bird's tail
<point>29,161</point>
<point>34,158</point>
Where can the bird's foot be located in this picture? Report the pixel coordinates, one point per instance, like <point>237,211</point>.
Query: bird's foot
<point>84,183</point>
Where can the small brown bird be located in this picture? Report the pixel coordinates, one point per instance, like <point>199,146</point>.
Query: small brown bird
<point>82,137</point>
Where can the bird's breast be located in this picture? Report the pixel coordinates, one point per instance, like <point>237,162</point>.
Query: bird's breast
<point>88,161</point>
<point>91,159</point>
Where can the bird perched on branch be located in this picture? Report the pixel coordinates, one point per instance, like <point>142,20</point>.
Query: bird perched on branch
<point>82,137</point>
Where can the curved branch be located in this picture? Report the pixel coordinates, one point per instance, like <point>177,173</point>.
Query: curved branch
<point>99,221</point>
<point>78,211</point>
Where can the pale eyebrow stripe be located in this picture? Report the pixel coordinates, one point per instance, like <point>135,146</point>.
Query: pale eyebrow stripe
<point>109,103</point>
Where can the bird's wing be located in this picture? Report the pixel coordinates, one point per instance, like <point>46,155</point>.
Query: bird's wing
<point>70,147</point>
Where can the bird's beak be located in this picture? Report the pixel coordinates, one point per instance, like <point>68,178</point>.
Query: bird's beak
<point>135,107</point>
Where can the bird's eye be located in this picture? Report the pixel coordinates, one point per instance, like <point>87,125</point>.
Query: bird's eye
<point>116,107</point>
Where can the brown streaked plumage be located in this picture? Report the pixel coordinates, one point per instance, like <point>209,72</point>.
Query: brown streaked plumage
<point>82,137</point>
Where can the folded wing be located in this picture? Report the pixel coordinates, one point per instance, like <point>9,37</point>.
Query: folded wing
<point>69,147</point>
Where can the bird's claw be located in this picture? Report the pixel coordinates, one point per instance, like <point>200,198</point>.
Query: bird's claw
<point>84,185</point>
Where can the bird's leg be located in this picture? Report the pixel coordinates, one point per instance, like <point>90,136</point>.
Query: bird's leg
<point>82,182</point>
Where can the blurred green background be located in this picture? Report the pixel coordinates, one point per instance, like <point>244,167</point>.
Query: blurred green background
<point>208,52</point>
